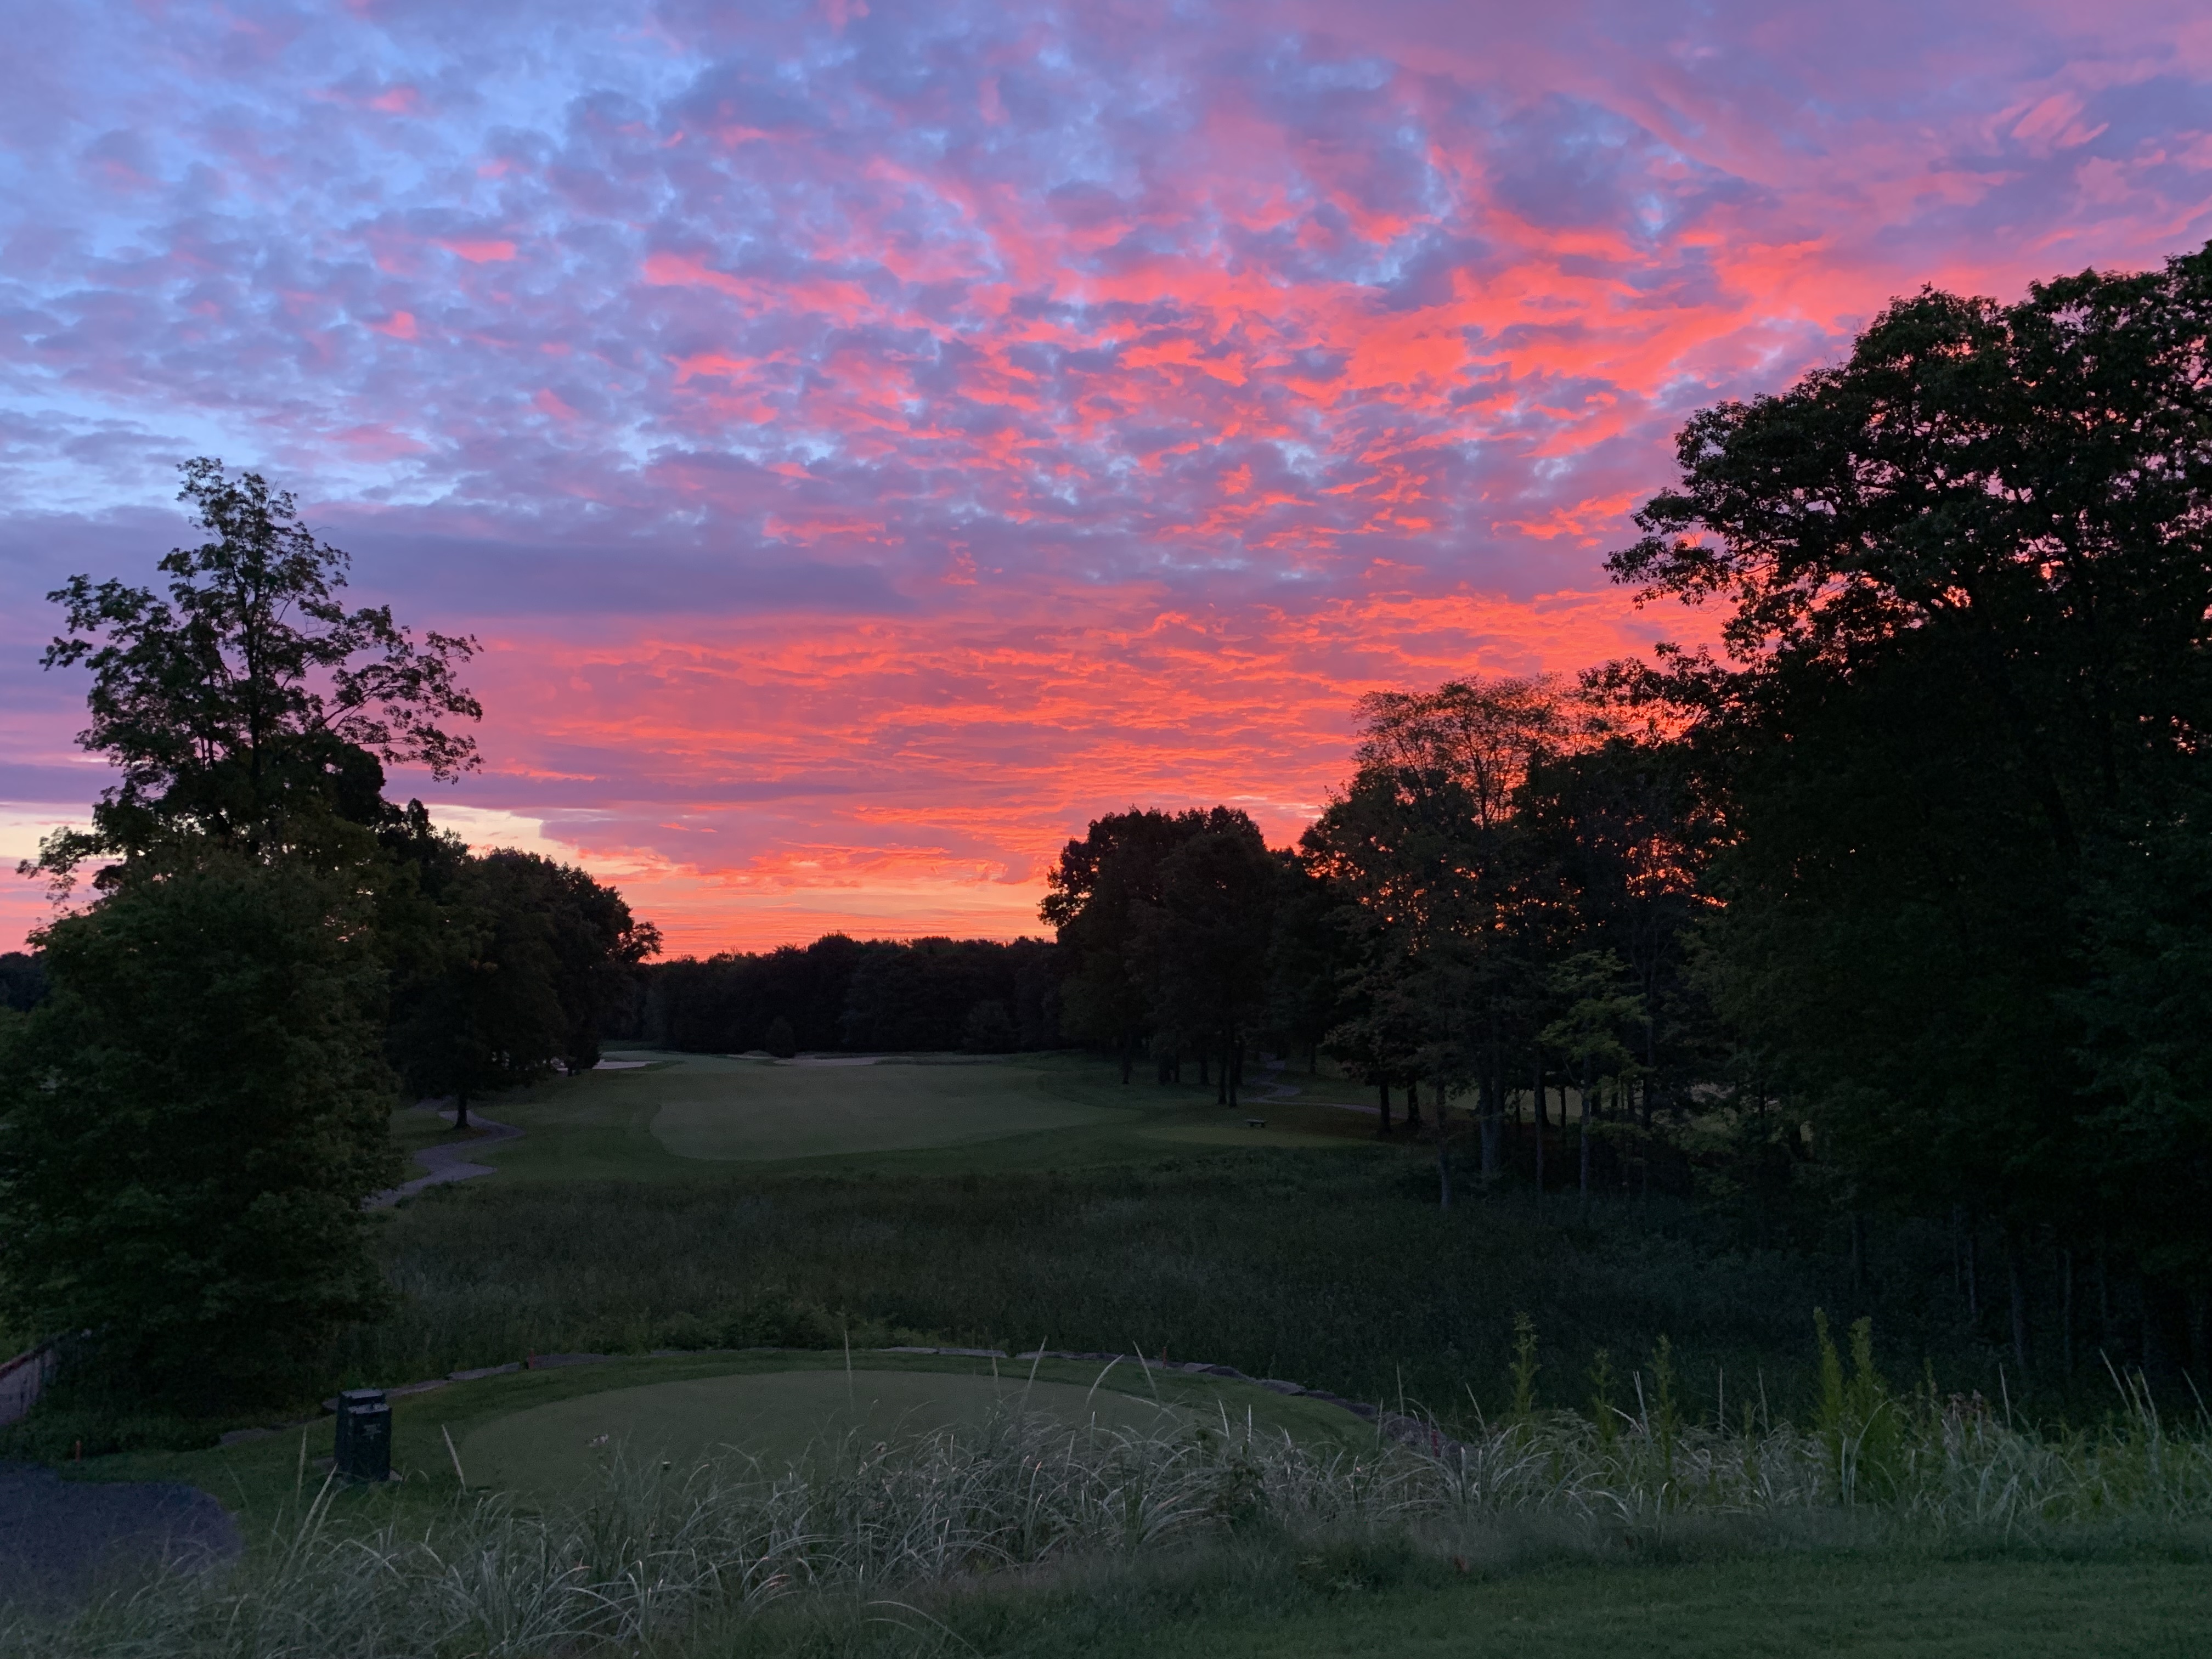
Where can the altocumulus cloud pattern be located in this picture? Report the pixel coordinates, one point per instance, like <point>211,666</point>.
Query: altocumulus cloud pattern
<point>873,438</point>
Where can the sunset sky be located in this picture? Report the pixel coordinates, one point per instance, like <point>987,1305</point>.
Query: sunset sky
<point>871,439</point>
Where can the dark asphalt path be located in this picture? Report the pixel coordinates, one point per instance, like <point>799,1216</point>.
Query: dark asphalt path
<point>60,1539</point>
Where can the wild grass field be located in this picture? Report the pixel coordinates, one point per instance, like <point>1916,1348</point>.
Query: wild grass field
<point>1150,1217</point>
<point>1635,1447</point>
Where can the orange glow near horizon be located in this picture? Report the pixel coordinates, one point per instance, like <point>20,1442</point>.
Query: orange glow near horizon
<point>872,441</point>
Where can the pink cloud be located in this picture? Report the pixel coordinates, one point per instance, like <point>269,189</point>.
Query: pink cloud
<point>478,250</point>
<point>969,418</point>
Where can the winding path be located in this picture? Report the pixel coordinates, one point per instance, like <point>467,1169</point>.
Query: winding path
<point>449,1162</point>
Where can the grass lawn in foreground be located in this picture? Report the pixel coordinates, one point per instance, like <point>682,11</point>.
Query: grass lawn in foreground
<point>1893,1604</point>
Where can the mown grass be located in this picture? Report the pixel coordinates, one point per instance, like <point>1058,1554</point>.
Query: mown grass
<point>916,1115</point>
<point>1895,1603</point>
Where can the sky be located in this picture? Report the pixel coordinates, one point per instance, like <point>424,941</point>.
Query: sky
<point>872,440</point>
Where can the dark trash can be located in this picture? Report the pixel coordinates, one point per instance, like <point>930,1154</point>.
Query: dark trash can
<point>362,1448</point>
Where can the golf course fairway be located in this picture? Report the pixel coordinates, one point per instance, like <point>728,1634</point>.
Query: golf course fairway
<point>755,1111</point>
<point>778,1417</point>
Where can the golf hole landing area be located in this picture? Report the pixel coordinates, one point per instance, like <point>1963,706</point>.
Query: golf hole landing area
<point>777,1417</point>
<point>752,1112</point>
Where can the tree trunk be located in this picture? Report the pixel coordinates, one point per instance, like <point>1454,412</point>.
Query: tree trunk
<point>2066,1309</point>
<point>1973,1275</point>
<point>1583,1140</point>
<point>1221,1093</point>
<point>1128,1054</point>
<point>2154,1342</point>
<point>2105,1340</point>
<point>1536,1100</point>
<point>1232,1064</point>
<point>1383,1091</point>
<point>2016,1287</point>
<point>1414,1105</point>
<point>1859,1253</point>
<point>461,1108</point>
<point>1443,1154</point>
<point>1493,1125</point>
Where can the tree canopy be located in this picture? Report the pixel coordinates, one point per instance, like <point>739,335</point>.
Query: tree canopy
<point>197,1102</point>
<point>1957,739</point>
<point>249,699</point>
<point>189,1121</point>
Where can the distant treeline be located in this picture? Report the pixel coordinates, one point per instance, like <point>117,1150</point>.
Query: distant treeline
<point>978,995</point>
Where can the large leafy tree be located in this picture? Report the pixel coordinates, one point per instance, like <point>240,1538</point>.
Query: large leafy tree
<point>250,704</point>
<point>2021,487</point>
<point>507,965</point>
<point>597,945</point>
<point>1616,843</point>
<point>1963,708</point>
<point>1426,842</point>
<point>1210,935</point>
<point>1099,897</point>
<point>189,1121</point>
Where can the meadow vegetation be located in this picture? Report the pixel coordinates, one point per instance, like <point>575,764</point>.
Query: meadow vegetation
<point>1330,1265</point>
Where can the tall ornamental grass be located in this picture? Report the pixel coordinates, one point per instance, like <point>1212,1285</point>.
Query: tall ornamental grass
<point>663,1558</point>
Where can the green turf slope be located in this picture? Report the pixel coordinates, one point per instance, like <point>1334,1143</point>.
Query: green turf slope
<point>1881,1606</point>
<point>780,1418</point>
<point>756,1112</point>
<point>688,1117</point>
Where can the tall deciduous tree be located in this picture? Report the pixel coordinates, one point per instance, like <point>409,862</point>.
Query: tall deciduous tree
<point>1967,701</point>
<point>1211,933</point>
<point>1426,841</point>
<point>191,1120</point>
<point>249,704</point>
<point>1098,896</point>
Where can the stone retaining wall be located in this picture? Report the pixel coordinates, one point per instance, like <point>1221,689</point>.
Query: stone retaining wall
<point>22,1380</point>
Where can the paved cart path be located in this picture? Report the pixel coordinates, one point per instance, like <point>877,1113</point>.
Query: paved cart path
<point>60,1539</point>
<point>452,1161</point>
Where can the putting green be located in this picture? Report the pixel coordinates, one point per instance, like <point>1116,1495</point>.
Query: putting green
<point>761,1112</point>
<point>777,1417</point>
